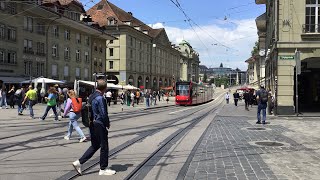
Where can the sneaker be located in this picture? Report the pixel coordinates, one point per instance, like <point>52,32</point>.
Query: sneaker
<point>258,122</point>
<point>107,172</point>
<point>66,138</point>
<point>20,114</point>
<point>264,122</point>
<point>77,166</point>
<point>83,139</point>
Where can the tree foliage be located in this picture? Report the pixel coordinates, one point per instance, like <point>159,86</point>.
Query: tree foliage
<point>255,49</point>
<point>205,77</point>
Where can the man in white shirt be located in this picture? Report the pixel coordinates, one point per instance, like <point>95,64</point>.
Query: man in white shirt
<point>227,97</point>
<point>108,96</point>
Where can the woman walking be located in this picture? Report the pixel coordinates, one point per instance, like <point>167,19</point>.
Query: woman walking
<point>11,97</point>
<point>73,107</point>
<point>51,104</point>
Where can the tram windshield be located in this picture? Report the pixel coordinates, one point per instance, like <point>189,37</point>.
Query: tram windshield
<point>182,90</point>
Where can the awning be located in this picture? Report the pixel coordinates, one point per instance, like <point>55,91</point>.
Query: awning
<point>15,80</point>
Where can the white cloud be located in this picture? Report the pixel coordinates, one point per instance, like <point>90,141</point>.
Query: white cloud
<point>239,37</point>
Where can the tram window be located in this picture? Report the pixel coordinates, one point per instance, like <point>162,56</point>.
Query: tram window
<point>182,90</point>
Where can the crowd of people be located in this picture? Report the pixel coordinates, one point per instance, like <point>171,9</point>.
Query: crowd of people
<point>262,98</point>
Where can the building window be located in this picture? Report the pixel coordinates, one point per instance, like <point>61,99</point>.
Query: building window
<point>100,48</point>
<point>27,46</point>
<point>312,16</point>
<point>95,47</point>
<point>87,41</point>
<point>86,73</point>
<point>111,42</point>
<point>131,41</point>
<point>54,70</point>
<point>77,72</point>
<point>12,57</point>
<point>12,8</point>
<point>66,53</point>
<point>111,51</point>
<point>78,55</point>
<point>66,71</point>
<point>2,55</point>
<point>78,38</point>
<point>100,63</point>
<point>2,5</point>
<point>131,53</point>
<point>111,22</point>
<point>110,64</point>
<point>55,51</point>
<point>55,31</point>
<point>40,48</point>
<point>67,34</point>
<point>86,56</point>
<point>2,31</point>
<point>11,34</point>
<point>41,29</point>
<point>28,24</point>
<point>27,68</point>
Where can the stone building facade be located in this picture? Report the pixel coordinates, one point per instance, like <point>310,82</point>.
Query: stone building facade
<point>48,38</point>
<point>141,56</point>
<point>189,62</point>
<point>286,33</point>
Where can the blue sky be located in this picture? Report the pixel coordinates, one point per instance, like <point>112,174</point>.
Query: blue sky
<point>226,31</point>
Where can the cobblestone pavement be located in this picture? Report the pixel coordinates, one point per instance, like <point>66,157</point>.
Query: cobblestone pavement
<point>228,150</point>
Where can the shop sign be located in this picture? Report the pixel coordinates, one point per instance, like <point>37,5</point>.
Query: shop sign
<point>286,57</point>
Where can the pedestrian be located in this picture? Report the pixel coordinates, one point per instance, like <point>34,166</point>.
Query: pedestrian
<point>270,102</point>
<point>138,97</point>
<point>122,98</point>
<point>11,93</point>
<point>98,131</point>
<point>159,94</point>
<point>128,98</point>
<point>162,94</point>
<point>3,99</point>
<point>31,96</point>
<point>167,99</point>
<point>154,98</point>
<point>236,97</point>
<point>108,96</point>
<point>19,96</point>
<point>227,97</point>
<point>262,99</point>
<point>73,107</point>
<point>51,104</point>
<point>246,97</point>
<point>147,96</point>
<point>60,99</point>
<point>132,98</point>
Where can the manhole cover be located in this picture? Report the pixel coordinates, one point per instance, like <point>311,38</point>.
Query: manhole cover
<point>256,129</point>
<point>270,143</point>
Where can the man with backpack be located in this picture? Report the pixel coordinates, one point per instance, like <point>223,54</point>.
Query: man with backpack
<point>99,125</point>
<point>19,95</point>
<point>262,99</point>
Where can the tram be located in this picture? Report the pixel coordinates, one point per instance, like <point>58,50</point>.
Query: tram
<point>191,93</point>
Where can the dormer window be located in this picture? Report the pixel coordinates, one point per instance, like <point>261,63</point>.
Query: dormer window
<point>146,32</point>
<point>127,23</point>
<point>111,21</point>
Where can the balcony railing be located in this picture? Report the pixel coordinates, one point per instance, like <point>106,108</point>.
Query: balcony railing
<point>311,28</point>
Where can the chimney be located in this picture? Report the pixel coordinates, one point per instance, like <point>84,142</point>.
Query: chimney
<point>130,13</point>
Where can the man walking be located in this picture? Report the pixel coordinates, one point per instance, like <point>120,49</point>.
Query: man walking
<point>108,96</point>
<point>262,99</point>
<point>227,96</point>
<point>31,96</point>
<point>138,97</point>
<point>246,97</point>
<point>98,131</point>
<point>236,97</point>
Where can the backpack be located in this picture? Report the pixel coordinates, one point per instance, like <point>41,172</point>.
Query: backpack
<point>76,104</point>
<point>86,111</point>
<point>263,96</point>
<point>18,93</point>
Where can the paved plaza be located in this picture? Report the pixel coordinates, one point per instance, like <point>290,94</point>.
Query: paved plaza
<point>224,144</point>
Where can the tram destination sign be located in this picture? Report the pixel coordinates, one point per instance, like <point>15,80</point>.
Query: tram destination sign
<point>286,57</point>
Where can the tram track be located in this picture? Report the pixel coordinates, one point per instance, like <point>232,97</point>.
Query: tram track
<point>86,167</point>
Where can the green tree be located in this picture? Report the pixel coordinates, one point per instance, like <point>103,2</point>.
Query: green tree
<point>255,49</point>
<point>205,77</point>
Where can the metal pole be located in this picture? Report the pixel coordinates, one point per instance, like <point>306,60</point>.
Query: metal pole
<point>298,71</point>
